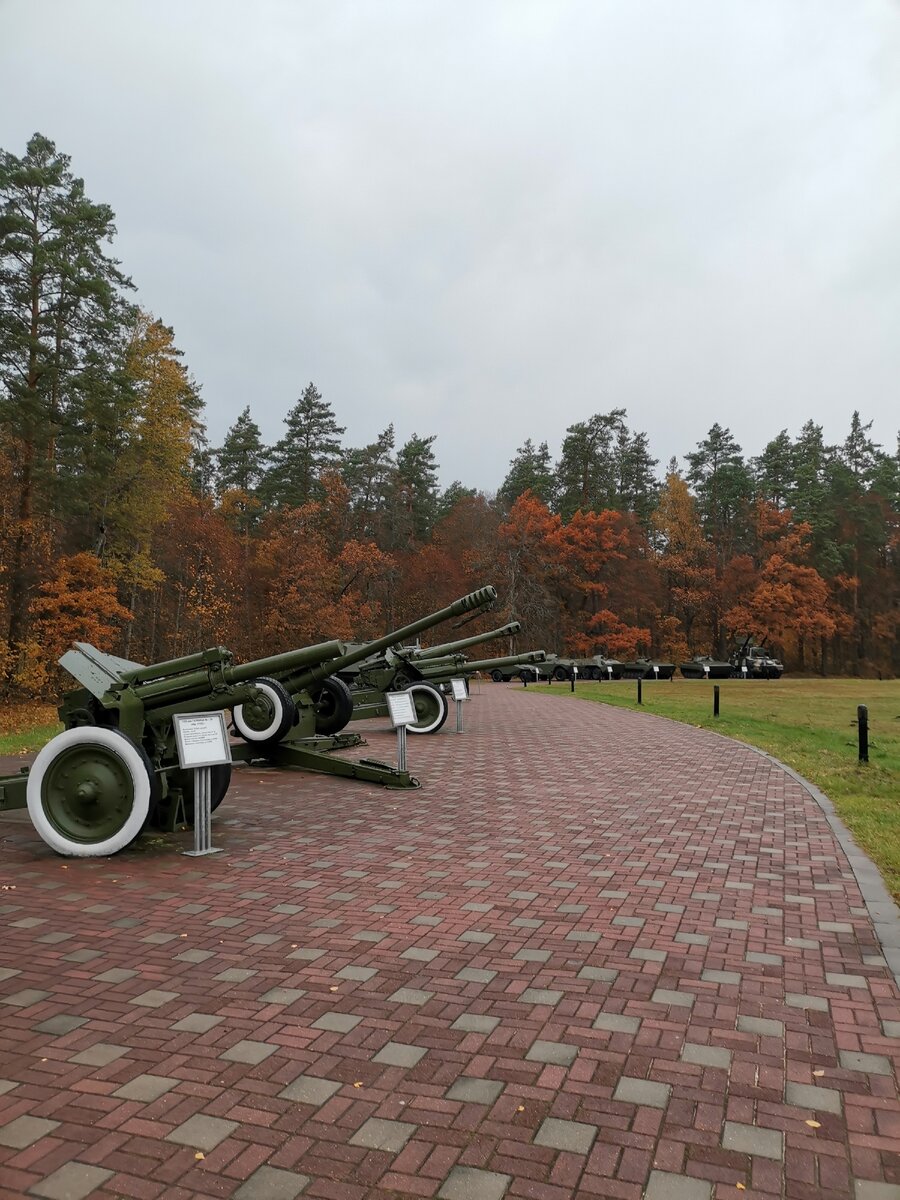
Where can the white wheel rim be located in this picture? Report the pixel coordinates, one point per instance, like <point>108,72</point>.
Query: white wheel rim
<point>436,723</point>
<point>260,735</point>
<point>125,749</point>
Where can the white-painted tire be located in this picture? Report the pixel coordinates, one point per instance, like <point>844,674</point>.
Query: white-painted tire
<point>437,705</point>
<point>282,714</point>
<point>114,750</point>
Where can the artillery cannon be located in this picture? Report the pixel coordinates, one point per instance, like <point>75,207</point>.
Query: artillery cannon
<point>509,630</point>
<point>114,769</point>
<point>326,697</point>
<point>441,671</point>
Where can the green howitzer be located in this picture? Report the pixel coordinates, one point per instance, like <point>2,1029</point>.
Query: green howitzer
<point>419,656</point>
<point>442,672</point>
<point>115,768</point>
<point>320,700</point>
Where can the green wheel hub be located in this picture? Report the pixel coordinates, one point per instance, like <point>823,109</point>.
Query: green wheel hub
<point>87,793</point>
<point>427,706</point>
<point>258,714</point>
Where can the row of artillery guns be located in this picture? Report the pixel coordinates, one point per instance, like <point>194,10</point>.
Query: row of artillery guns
<point>114,770</point>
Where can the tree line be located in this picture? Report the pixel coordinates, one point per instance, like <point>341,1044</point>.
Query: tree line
<point>121,525</point>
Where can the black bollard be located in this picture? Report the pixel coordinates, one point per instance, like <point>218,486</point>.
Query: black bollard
<point>525,678</point>
<point>640,698</point>
<point>715,700</point>
<point>862,719</point>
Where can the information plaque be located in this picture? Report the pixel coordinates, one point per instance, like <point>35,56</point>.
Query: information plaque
<point>401,709</point>
<point>202,739</point>
<point>459,689</point>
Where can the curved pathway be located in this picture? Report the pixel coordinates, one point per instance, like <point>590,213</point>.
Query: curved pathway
<point>597,954</point>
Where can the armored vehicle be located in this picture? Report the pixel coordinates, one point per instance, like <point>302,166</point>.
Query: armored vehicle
<point>647,668</point>
<point>755,662</point>
<point>704,667</point>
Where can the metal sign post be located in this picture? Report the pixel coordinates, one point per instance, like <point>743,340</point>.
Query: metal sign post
<point>574,676</point>
<point>402,713</point>
<point>202,742</point>
<point>458,687</point>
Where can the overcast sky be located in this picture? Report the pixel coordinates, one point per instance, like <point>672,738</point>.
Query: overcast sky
<point>487,221</point>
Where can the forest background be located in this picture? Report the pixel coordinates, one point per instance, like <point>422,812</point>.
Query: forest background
<point>121,525</point>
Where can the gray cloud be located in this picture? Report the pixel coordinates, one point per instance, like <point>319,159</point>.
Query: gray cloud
<point>490,221</point>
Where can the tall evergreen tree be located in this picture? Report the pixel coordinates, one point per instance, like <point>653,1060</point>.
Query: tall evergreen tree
<point>530,471</point>
<point>368,472</point>
<point>242,457</point>
<point>638,489</point>
<point>415,490</point>
<point>588,470</point>
<point>774,470</point>
<point>723,485</point>
<point>311,445</point>
<point>60,305</point>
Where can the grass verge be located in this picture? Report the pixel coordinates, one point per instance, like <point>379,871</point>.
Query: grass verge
<point>810,724</point>
<point>24,728</point>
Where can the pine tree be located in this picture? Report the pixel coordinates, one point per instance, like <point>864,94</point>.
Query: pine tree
<point>774,470</point>
<point>368,472</point>
<point>638,488</point>
<point>588,471</point>
<point>415,491</point>
<point>530,471</point>
<point>60,304</point>
<point>241,459</point>
<point>724,487</point>
<point>310,446</point>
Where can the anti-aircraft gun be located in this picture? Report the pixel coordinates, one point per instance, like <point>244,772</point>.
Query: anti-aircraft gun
<point>755,662</point>
<point>342,688</point>
<point>114,769</point>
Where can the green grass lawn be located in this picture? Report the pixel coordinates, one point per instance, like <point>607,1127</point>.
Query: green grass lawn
<point>25,728</point>
<point>810,724</point>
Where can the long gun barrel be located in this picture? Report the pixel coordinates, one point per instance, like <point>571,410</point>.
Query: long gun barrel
<point>434,671</point>
<point>305,679</point>
<point>189,683</point>
<point>454,647</point>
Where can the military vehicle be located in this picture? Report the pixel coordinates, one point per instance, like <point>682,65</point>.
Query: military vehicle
<point>647,668</point>
<point>114,769</point>
<point>702,666</point>
<point>353,686</point>
<point>755,662</point>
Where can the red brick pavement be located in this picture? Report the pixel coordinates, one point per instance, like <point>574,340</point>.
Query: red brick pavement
<point>597,954</point>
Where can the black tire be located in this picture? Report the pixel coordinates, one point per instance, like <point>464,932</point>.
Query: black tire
<point>266,721</point>
<point>220,781</point>
<point>560,672</point>
<point>497,675</point>
<point>334,705</point>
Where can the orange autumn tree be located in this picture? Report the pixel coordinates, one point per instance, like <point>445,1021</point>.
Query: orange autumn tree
<point>686,562</point>
<point>780,595</point>
<point>78,603</point>
<point>316,586</point>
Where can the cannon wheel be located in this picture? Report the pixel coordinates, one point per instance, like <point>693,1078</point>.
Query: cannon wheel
<point>91,791</point>
<point>431,708</point>
<point>497,675</point>
<point>334,705</point>
<point>220,781</point>
<point>268,718</point>
<point>560,672</point>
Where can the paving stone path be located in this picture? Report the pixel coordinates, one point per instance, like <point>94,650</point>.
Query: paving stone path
<point>597,954</point>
